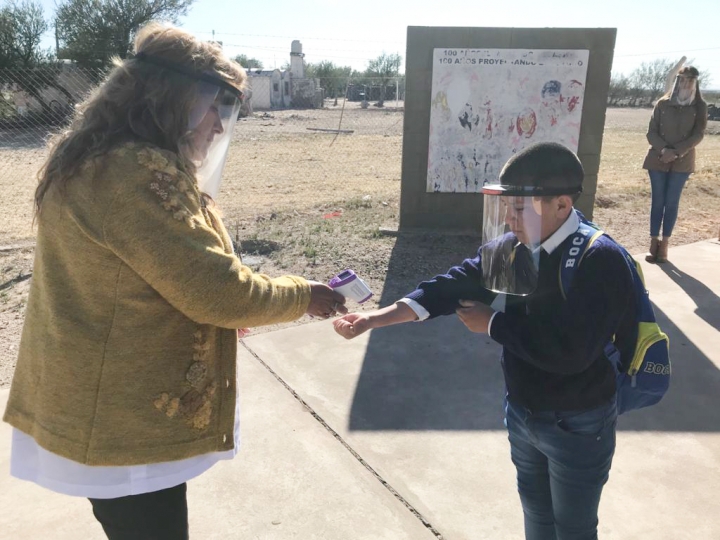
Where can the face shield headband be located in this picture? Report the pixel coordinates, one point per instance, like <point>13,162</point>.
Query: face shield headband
<point>177,68</point>
<point>210,123</point>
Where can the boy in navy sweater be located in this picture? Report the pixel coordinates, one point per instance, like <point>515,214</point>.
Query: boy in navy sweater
<point>560,404</point>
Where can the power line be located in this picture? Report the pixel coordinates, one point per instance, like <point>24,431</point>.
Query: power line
<point>285,49</point>
<point>668,52</point>
<point>298,37</point>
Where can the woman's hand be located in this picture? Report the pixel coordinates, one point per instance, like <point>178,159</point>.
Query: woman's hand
<point>324,301</point>
<point>668,155</point>
<point>352,325</point>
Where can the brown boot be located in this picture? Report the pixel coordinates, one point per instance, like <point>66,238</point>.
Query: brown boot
<point>662,254</point>
<point>654,245</point>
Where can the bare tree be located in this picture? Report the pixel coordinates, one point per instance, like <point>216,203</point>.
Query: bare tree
<point>650,77</point>
<point>619,89</point>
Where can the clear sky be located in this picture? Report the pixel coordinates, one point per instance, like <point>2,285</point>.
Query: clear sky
<point>351,33</point>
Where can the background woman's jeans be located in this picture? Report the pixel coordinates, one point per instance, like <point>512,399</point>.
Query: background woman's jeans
<point>666,190</point>
<point>563,461</point>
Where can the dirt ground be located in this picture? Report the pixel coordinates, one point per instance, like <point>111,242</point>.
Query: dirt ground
<point>298,204</point>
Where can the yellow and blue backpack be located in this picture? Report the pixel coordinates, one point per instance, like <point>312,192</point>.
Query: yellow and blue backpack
<point>644,379</point>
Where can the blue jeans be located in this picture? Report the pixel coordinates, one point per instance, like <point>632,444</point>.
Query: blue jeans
<point>563,461</point>
<point>666,190</point>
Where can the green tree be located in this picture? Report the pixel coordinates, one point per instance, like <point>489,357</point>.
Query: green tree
<point>91,32</point>
<point>21,28</point>
<point>385,67</point>
<point>333,78</point>
<point>248,63</point>
<point>26,66</point>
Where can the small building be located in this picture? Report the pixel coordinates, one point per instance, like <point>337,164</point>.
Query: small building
<point>276,89</point>
<point>269,88</point>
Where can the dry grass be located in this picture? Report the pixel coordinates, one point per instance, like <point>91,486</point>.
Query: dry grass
<point>298,205</point>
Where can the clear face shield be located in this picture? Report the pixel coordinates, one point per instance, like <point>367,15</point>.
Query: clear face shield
<point>684,90</point>
<point>210,122</point>
<point>512,234</point>
<point>210,129</point>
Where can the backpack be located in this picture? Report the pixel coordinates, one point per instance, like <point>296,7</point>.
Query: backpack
<point>644,379</point>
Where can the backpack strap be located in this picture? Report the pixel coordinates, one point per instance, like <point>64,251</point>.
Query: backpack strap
<point>580,241</point>
<point>571,258</point>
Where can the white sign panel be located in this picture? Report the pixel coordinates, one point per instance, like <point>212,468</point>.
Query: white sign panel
<point>488,104</point>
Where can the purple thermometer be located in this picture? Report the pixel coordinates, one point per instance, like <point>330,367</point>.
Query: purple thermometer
<point>350,285</point>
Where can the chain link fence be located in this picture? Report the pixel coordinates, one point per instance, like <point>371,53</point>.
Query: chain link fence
<point>344,145</point>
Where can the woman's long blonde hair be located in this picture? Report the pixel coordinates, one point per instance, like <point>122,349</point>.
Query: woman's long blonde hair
<point>138,101</point>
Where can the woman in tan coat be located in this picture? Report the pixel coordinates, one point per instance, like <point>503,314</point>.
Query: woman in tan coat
<point>125,386</point>
<point>677,126</point>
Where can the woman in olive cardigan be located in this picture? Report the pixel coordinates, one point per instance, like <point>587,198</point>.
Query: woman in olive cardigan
<point>677,126</point>
<point>125,384</point>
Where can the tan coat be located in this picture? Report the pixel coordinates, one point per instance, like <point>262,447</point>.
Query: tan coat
<point>128,350</point>
<point>680,127</point>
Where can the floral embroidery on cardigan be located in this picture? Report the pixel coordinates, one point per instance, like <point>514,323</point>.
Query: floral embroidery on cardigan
<point>167,188</point>
<point>169,184</point>
<point>173,407</point>
<point>155,161</point>
<point>201,418</point>
<point>195,405</point>
<point>167,405</point>
<point>198,369</point>
<point>190,403</point>
<point>162,401</point>
<point>196,374</point>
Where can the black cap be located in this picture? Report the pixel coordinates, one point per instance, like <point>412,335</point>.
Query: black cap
<point>544,169</point>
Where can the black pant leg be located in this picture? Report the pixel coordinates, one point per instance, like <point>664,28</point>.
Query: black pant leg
<point>160,515</point>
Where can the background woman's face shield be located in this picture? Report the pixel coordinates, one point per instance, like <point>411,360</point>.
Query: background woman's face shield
<point>512,233</point>
<point>684,90</point>
<point>210,129</point>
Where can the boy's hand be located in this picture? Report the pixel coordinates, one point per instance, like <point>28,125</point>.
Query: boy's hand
<point>475,315</point>
<point>352,325</point>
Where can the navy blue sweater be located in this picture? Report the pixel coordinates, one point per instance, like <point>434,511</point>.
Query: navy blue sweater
<point>553,348</point>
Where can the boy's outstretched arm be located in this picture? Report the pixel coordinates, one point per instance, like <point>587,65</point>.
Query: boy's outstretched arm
<point>354,324</point>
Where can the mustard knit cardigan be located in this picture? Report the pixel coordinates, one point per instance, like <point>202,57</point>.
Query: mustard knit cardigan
<point>128,350</point>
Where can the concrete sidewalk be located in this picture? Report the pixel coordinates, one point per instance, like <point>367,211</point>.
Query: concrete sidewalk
<point>398,434</point>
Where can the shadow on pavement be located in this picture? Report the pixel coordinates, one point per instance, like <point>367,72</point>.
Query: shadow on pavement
<point>436,375</point>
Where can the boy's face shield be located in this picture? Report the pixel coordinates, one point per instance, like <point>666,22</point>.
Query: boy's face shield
<point>210,129</point>
<point>512,234</point>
